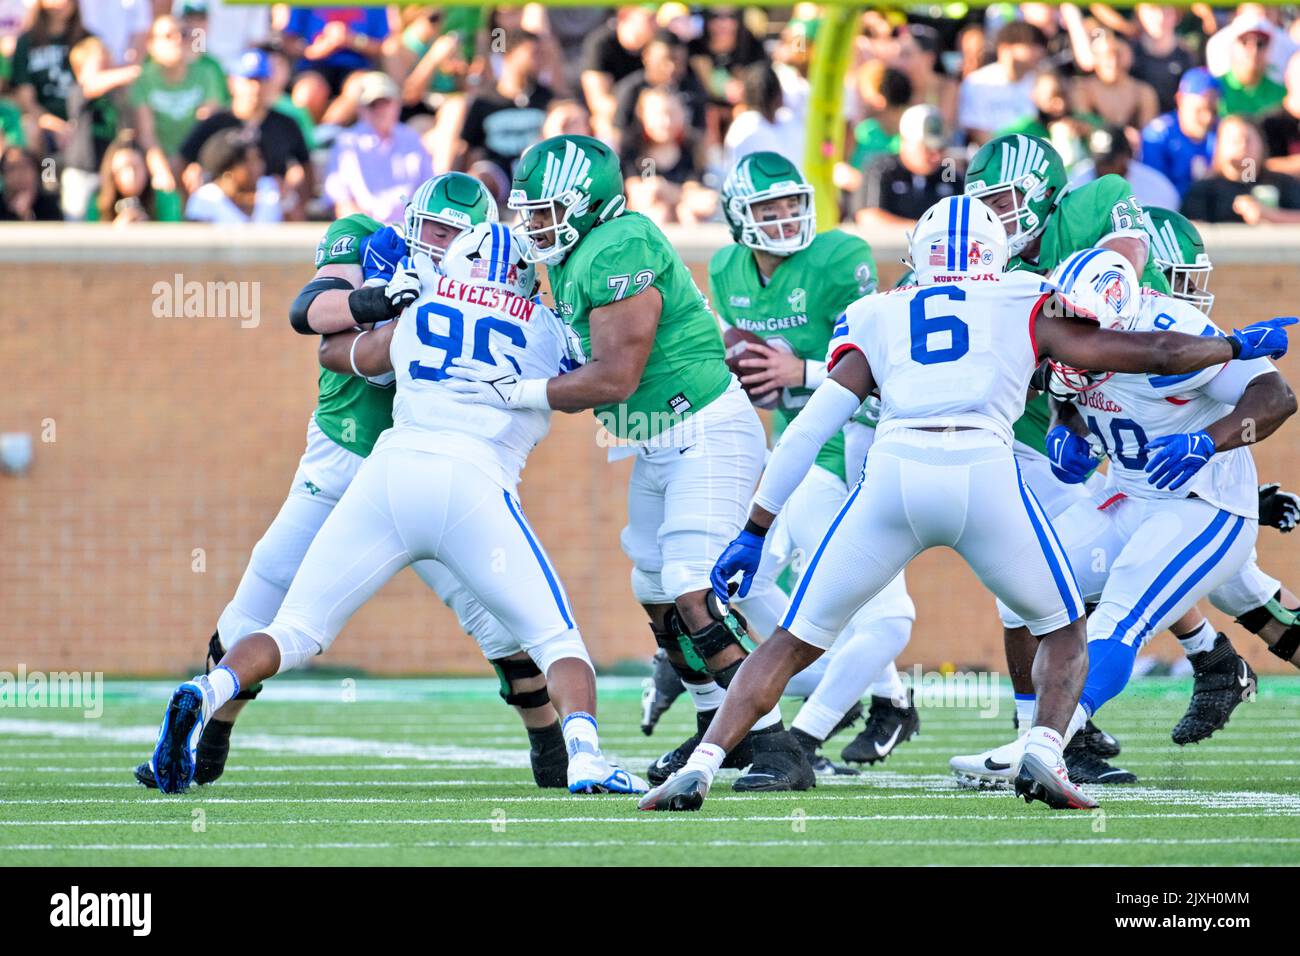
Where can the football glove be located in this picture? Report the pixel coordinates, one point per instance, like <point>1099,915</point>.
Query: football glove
<point>743,554</point>
<point>1176,458</point>
<point>381,252</point>
<point>1265,339</point>
<point>1070,454</point>
<point>1277,508</point>
<point>496,384</point>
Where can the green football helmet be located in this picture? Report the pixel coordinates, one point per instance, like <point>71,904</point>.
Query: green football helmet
<point>577,182</point>
<point>452,199</point>
<point>1179,252</point>
<point>1031,171</point>
<point>758,178</point>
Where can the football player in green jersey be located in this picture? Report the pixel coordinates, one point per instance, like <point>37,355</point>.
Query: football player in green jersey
<point>786,284</point>
<point>655,375</point>
<point>356,255</point>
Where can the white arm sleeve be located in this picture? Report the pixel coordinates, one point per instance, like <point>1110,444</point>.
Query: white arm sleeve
<point>814,373</point>
<point>826,412</point>
<point>1228,386</point>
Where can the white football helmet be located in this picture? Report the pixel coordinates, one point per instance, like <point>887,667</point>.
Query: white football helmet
<point>490,254</point>
<point>955,238</point>
<point>1098,284</point>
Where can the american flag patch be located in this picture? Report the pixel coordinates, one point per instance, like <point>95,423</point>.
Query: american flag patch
<point>938,254</point>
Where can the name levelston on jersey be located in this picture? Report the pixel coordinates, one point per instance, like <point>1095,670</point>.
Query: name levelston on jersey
<point>488,297</point>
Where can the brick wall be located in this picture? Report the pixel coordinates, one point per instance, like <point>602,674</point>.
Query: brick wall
<point>176,434</point>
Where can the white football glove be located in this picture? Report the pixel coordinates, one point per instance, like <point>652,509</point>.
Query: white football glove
<point>401,291</point>
<point>496,385</point>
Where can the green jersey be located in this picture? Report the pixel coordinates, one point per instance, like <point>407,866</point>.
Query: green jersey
<point>795,309</point>
<point>174,104</point>
<point>1082,219</point>
<point>686,369</point>
<point>349,410</point>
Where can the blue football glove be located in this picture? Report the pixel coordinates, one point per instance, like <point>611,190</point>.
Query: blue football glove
<point>1176,458</point>
<point>381,252</point>
<point>1265,339</point>
<point>1071,455</point>
<point>743,554</point>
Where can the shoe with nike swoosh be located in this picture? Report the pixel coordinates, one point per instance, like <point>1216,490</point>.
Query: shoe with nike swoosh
<point>888,726</point>
<point>1222,680</point>
<point>991,770</point>
<point>1036,780</point>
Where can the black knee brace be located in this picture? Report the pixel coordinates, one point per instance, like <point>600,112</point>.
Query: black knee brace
<point>1256,620</point>
<point>673,637</point>
<point>508,671</point>
<point>726,675</point>
<point>729,627</point>
<point>215,653</point>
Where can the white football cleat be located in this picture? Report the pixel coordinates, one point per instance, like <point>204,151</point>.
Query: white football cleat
<point>593,773</point>
<point>993,769</point>
<point>1039,780</point>
<point>684,790</point>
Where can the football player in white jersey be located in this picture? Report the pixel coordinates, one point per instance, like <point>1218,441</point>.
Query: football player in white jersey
<point>439,485</point>
<point>952,358</point>
<point>1178,515</point>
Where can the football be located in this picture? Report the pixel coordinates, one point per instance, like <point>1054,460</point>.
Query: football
<point>737,342</point>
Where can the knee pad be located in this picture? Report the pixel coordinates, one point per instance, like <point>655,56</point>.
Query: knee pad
<point>673,637</point>
<point>509,671</point>
<point>215,653</point>
<point>295,644</point>
<point>729,627</point>
<point>565,644</point>
<point>1256,620</point>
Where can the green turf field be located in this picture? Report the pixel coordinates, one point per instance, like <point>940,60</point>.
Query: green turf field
<point>435,772</point>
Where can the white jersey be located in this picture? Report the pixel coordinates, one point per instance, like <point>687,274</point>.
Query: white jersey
<point>952,354</point>
<point>453,319</point>
<point>1126,411</point>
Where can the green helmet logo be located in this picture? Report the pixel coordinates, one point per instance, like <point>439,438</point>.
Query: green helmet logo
<point>760,179</point>
<point>564,187</point>
<point>1179,252</point>
<point>1030,171</point>
<point>452,199</point>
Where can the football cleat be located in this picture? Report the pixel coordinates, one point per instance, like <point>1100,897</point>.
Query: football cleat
<point>1036,780</point>
<point>209,759</point>
<point>1222,680</point>
<point>593,773</point>
<point>779,764</point>
<point>684,790</point>
<point>174,757</point>
<point>1098,741</point>
<point>1085,766</point>
<point>820,763</point>
<point>991,770</point>
<point>658,692</point>
<point>848,720</point>
<point>675,759</point>
<point>888,725</point>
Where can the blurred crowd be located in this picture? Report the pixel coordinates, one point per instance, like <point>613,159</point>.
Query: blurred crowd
<point>128,111</point>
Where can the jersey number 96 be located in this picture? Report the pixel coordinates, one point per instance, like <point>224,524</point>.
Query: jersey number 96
<point>452,342</point>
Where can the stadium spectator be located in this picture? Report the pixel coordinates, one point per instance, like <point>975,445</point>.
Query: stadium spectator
<point>332,43</point>
<point>122,26</point>
<point>1248,90</point>
<point>11,124</point>
<point>1159,55</point>
<point>995,96</point>
<point>1282,127</point>
<point>92,121</point>
<point>1054,121</point>
<point>228,28</point>
<point>1110,92</point>
<point>663,64</point>
<point>896,188</point>
<point>764,123</point>
<point>1250,17</point>
<point>720,54</point>
<point>435,52</point>
<point>791,58</point>
<point>41,73</point>
<point>609,55</point>
<point>126,194</point>
<point>917,55</point>
<point>534,19</point>
<point>973,49</point>
<point>662,162</point>
<point>566,117</point>
<point>375,165</point>
<point>886,93</point>
<point>1240,189</point>
<point>505,119</point>
<point>175,90</point>
<point>21,197</point>
<point>1181,144</point>
<point>237,191</point>
<point>1111,152</point>
<point>279,138</point>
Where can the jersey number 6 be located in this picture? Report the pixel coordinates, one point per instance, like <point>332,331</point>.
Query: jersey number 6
<point>452,343</point>
<point>925,326</point>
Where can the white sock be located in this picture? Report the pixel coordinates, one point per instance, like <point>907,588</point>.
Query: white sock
<point>580,736</point>
<point>1045,743</point>
<point>770,719</point>
<point>706,758</point>
<point>890,685</point>
<point>707,696</point>
<point>224,684</point>
<point>1025,705</point>
<point>1200,640</point>
<point>1077,721</point>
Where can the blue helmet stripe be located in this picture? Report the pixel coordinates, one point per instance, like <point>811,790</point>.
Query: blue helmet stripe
<point>965,234</point>
<point>952,236</point>
<point>1072,271</point>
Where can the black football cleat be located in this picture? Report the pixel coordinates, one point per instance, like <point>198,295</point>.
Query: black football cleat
<point>658,692</point>
<point>1085,766</point>
<point>675,759</point>
<point>820,763</point>
<point>888,725</point>
<point>779,764</point>
<point>1222,680</point>
<point>1098,741</point>
<point>209,757</point>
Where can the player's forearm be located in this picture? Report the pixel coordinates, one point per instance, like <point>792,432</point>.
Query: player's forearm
<point>331,312</point>
<point>1266,403</point>
<point>596,383</point>
<point>358,352</point>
